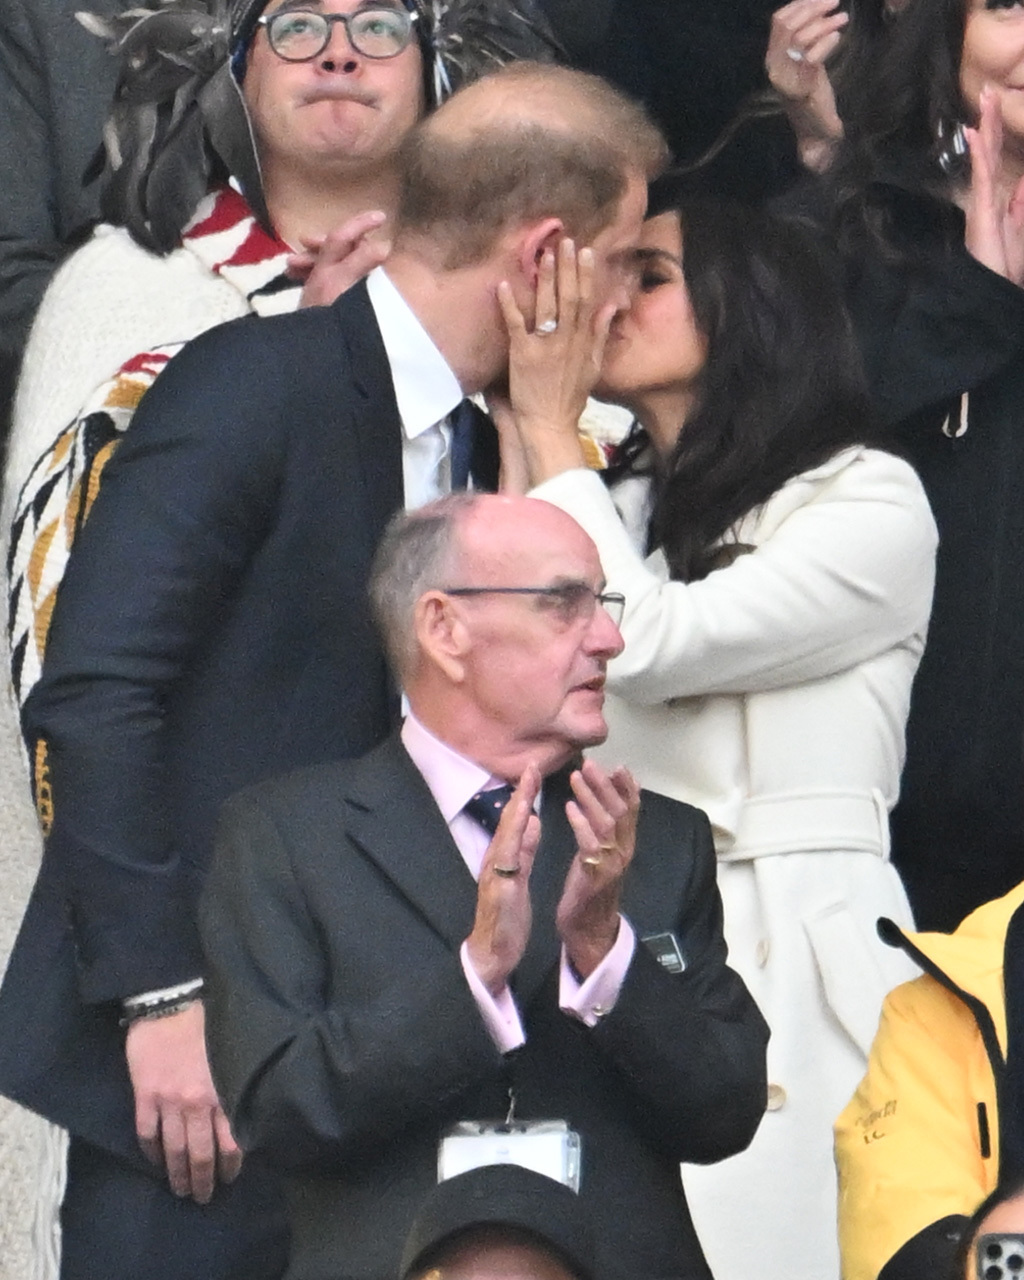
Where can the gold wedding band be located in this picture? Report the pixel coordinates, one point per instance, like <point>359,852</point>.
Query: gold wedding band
<point>506,873</point>
<point>607,848</point>
<point>546,326</point>
<point>592,860</point>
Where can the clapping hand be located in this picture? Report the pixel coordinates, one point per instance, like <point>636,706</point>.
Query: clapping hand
<point>603,817</point>
<point>994,208</point>
<point>501,928</point>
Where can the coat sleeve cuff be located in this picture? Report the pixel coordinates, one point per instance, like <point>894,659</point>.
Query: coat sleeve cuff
<point>931,1252</point>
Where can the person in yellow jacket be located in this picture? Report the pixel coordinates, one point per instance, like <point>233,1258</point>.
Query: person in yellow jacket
<point>917,1147</point>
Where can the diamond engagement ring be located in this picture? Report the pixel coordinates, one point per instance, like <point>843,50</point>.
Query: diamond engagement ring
<point>546,326</point>
<point>795,54</point>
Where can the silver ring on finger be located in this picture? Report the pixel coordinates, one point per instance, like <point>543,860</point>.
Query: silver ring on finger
<point>545,327</point>
<point>794,53</point>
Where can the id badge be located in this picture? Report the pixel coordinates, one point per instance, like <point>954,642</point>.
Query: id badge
<point>548,1147</point>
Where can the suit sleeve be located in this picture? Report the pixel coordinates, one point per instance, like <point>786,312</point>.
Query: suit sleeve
<point>184,503</point>
<point>908,1145</point>
<point>825,591</point>
<point>316,1076</point>
<point>690,1046</point>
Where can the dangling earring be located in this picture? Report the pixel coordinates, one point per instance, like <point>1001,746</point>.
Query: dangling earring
<point>952,146</point>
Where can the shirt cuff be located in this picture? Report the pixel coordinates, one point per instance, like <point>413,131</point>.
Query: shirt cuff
<point>500,1015</point>
<point>592,999</point>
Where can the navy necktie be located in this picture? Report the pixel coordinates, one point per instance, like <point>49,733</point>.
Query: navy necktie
<point>462,421</point>
<point>488,806</point>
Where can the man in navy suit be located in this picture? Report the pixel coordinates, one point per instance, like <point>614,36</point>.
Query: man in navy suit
<point>228,638</point>
<point>391,951</point>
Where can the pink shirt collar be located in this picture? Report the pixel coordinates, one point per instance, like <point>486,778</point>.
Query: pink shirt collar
<point>452,778</point>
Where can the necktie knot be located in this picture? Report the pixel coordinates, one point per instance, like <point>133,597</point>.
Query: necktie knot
<point>488,806</point>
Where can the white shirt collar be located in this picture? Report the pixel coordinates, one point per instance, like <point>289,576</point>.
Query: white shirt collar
<point>426,390</point>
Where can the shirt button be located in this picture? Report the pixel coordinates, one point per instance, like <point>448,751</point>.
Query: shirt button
<point>776,1097</point>
<point>599,1011</point>
<point>762,953</point>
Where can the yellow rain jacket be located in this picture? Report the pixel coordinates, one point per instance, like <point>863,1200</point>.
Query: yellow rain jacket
<point>919,1141</point>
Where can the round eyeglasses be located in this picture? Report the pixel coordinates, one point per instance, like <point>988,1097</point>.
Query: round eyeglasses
<point>571,602</point>
<point>297,35</point>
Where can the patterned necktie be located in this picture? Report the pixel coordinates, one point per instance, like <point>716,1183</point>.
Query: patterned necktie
<point>488,806</point>
<point>462,421</point>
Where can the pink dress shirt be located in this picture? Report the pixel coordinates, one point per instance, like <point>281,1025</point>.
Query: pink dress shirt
<point>453,780</point>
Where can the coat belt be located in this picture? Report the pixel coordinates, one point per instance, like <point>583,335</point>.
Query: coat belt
<point>811,821</point>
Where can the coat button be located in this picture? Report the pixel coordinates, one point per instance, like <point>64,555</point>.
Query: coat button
<point>776,1097</point>
<point>762,953</point>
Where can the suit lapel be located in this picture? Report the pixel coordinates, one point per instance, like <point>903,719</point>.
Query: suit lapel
<point>377,422</point>
<point>557,847</point>
<point>395,820</point>
<point>377,426</point>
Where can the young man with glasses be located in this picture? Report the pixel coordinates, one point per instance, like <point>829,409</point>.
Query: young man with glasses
<point>366,996</point>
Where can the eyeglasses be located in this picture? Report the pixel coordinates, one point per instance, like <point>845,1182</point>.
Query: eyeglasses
<point>297,35</point>
<point>572,602</point>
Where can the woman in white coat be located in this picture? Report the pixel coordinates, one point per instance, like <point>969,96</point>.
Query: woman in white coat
<point>778,572</point>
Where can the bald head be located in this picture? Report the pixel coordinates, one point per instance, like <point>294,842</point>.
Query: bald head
<point>461,537</point>
<point>528,142</point>
<point>489,606</point>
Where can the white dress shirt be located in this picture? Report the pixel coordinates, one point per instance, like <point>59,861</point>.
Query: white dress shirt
<point>426,392</point>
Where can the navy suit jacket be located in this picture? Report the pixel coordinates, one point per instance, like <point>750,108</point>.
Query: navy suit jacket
<point>344,1038</point>
<point>212,630</point>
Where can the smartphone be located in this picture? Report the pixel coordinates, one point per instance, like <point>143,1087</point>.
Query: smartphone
<point>1001,1256</point>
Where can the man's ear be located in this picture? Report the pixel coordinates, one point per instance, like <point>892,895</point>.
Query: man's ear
<point>537,239</point>
<point>441,635</point>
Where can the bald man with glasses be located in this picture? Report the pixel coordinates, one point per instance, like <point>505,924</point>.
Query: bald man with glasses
<point>472,939</point>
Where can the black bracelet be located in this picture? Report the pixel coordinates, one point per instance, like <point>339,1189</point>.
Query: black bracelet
<point>159,1009</point>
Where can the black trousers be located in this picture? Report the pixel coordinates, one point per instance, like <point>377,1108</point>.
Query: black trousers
<point>119,1223</point>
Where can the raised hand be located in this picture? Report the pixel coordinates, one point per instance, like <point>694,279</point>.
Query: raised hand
<point>178,1117</point>
<point>804,34</point>
<point>603,818</point>
<point>553,364</point>
<point>501,928</point>
<point>994,208</point>
<point>333,263</point>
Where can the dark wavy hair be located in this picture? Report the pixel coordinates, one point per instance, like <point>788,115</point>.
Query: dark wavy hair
<point>782,388</point>
<point>900,115</point>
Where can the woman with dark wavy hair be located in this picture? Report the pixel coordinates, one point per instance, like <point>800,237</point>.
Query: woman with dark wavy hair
<point>927,211</point>
<point>777,574</point>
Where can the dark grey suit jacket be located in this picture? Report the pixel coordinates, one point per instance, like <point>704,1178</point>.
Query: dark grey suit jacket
<point>344,1038</point>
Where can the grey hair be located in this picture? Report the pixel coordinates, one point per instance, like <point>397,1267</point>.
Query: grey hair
<point>415,555</point>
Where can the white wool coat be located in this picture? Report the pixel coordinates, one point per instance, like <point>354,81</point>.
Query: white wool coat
<point>774,694</point>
